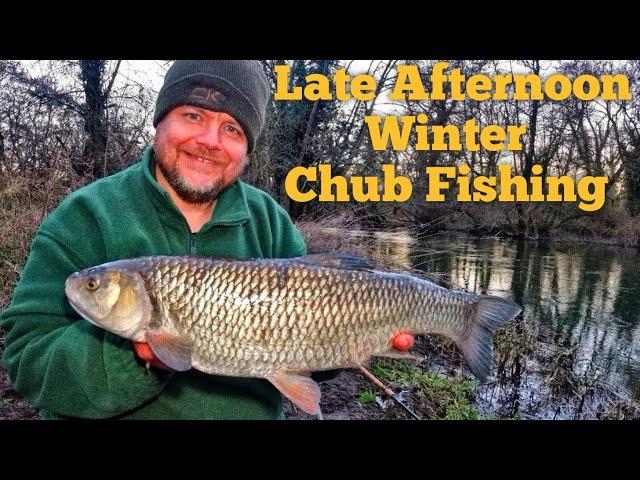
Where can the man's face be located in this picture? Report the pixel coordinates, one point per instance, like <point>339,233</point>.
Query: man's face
<point>199,152</point>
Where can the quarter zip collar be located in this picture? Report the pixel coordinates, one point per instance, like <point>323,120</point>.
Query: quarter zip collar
<point>231,208</point>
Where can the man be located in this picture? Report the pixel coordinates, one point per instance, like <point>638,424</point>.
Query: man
<point>183,197</point>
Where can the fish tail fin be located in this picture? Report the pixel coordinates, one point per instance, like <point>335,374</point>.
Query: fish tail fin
<point>489,313</point>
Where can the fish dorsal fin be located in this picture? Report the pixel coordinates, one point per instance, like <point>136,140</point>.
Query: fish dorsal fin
<point>303,391</point>
<point>337,260</point>
<point>173,350</point>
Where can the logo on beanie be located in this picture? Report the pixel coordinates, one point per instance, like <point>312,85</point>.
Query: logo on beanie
<point>207,96</point>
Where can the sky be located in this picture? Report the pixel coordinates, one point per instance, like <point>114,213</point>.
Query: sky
<point>151,72</point>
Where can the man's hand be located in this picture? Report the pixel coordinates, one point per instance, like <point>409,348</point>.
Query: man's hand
<point>143,350</point>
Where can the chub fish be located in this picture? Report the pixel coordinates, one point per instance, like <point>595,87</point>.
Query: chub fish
<point>280,319</point>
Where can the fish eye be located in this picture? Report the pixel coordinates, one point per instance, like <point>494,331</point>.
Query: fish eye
<point>92,283</point>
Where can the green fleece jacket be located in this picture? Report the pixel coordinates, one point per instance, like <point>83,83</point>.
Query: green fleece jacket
<point>71,368</point>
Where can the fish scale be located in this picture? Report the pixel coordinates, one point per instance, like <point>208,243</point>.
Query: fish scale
<point>264,318</point>
<point>287,329</point>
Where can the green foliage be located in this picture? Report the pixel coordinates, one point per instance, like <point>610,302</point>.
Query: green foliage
<point>447,398</point>
<point>367,397</point>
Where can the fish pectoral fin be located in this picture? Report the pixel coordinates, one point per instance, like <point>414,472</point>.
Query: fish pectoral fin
<point>393,353</point>
<point>172,350</point>
<point>298,387</point>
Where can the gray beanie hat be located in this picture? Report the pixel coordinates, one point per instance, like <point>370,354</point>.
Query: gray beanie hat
<point>237,87</point>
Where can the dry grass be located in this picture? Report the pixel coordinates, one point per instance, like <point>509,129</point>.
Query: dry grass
<point>333,233</point>
<point>24,202</point>
<point>344,233</point>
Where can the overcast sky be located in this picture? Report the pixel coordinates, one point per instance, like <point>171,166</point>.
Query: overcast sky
<point>151,72</point>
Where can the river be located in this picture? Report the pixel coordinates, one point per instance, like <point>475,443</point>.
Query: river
<point>581,316</point>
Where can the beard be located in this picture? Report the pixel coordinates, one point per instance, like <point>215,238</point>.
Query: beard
<point>187,192</point>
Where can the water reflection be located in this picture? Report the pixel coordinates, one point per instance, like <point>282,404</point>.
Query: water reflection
<point>587,296</point>
<point>395,247</point>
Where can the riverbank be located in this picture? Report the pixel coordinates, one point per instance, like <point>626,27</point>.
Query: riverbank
<point>568,357</point>
<point>441,387</point>
<point>536,376</point>
<point>611,225</point>
<point>533,379</point>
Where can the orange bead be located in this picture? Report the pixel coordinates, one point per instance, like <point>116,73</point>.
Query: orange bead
<point>144,351</point>
<point>403,341</point>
